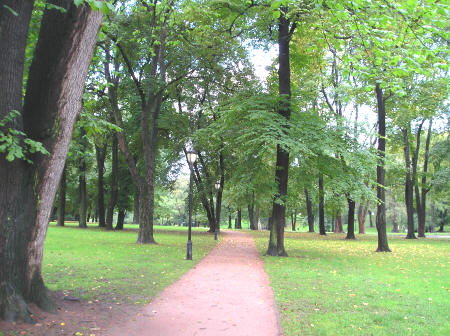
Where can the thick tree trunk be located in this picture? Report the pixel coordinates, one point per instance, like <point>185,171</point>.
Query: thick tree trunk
<point>339,228</point>
<point>351,219</point>
<point>120,220</point>
<point>136,207</point>
<point>408,187</point>
<point>100,153</point>
<point>52,103</point>
<point>381,207</point>
<point>251,216</point>
<point>146,197</point>
<point>276,240</point>
<point>62,199</point>
<point>321,207</point>
<point>362,214</point>
<point>309,212</point>
<point>114,184</point>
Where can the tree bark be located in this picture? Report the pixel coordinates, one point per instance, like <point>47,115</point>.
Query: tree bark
<point>238,224</point>
<point>381,207</point>
<point>309,212</point>
<point>321,207</point>
<point>408,187</point>
<point>362,214</point>
<point>120,220</point>
<point>276,240</point>
<point>62,199</point>
<point>339,228</point>
<point>293,219</point>
<point>251,215</point>
<point>424,190</point>
<point>136,207</point>
<point>100,154</point>
<point>229,218</point>
<point>351,219</point>
<point>114,183</point>
<point>258,226</point>
<point>52,103</point>
<point>82,192</point>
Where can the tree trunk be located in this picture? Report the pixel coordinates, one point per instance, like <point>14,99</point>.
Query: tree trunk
<point>251,216</point>
<point>276,240</point>
<point>62,199</point>
<point>257,223</point>
<point>120,220</point>
<point>82,192</point>
<point>381,207</point>
<point>100,153</point>
<point>51,105</point>
<point>146,203</point>
<point>351,219</point>
<point>293,219</point>
<point>114,184</point>
<point>238,224</point>
<point>321,207</point>
<point>339,228</point>
<point>362,214</point>
<point>370,218</point>
<point>423,202</point>
<point>408,187</point>
<point>229,218</point>
<point>309,212</point>
<point>136,207</point>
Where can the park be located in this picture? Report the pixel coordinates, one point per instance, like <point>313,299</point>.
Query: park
<point>205,167</point>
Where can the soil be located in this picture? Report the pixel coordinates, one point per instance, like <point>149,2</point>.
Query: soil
<point>226,293</point>
<point>73,317</point>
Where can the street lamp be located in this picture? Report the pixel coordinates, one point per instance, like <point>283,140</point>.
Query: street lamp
<point>191,157</point>
<point>216,231</point>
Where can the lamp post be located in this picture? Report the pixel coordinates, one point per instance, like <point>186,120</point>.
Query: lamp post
<point>216,231</point>
<point>191,157</point>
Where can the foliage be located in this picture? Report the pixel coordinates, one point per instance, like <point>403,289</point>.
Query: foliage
<point>14,142</point>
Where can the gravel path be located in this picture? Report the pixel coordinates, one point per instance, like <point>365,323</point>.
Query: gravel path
<point>227,293</point>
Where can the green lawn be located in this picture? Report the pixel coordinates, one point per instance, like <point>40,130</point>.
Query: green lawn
<point>108,265</point>
<point>330,286</point>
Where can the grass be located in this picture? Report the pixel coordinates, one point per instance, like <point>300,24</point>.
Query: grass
<point>108,265</point>
<point>330,286</point>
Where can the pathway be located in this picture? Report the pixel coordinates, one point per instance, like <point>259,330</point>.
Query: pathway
<point>227,293</point>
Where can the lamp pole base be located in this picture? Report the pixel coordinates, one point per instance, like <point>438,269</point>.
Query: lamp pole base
<point>189,250</point>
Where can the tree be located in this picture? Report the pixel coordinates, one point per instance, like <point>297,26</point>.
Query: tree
<point>51,105</point>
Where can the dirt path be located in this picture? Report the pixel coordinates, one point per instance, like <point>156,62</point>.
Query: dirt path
<point>227,293</point>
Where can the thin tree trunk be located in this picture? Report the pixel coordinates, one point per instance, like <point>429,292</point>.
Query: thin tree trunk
<point>82,194</point>
<point>321,207</point>
<point>251,216</point>
<point>229,218</point>
<point>309,212</point>
<point>370,218</point>
<point>120,220</point>
<point>114,184</point>
<point>276,240</point>
<point>351,219</point>
<point>423,202</point>
<point>100,153</point>
<point>408,187</point>
<point>51,105</point>
<point>238,224</point>
<point>381,207</point>
<point>136,207</point>
<point>62,199</point>
<point>293,219</point>
<point>257,223</point>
